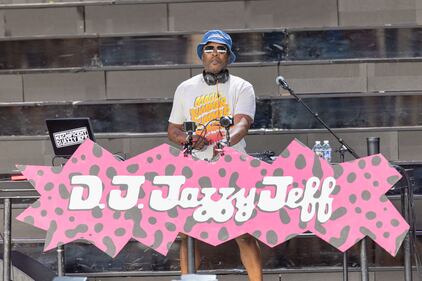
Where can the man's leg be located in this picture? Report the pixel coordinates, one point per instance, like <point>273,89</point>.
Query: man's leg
<point>184,254</point>
<point>250,254</point>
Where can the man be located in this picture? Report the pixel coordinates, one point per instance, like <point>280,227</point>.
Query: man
<point>205,98</point>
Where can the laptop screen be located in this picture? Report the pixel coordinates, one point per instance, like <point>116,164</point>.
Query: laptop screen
<point>66,134</point>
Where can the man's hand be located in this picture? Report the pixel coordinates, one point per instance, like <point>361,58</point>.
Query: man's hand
<point>198,142</point>
<point>177,135</point>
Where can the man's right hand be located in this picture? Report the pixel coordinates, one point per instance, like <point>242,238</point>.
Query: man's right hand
<point>198,142</point>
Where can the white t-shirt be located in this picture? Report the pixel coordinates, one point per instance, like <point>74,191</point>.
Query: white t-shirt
<point>195,100</point>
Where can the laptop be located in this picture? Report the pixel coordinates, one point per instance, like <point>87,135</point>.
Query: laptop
<point>66,134</point>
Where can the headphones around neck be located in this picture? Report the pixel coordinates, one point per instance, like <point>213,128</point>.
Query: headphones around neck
<point>212,79</point>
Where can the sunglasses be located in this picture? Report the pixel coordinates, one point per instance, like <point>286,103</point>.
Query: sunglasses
<point>220,49</point>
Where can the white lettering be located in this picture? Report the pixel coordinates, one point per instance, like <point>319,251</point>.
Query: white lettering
<point>157,200</point>
<point>95,190</point>
<point>133,183</point>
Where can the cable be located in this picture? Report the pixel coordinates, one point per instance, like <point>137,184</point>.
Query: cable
<point>412,220</point>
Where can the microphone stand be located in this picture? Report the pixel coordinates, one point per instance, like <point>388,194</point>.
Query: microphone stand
<point>285,86</point>
<point>343,148</point>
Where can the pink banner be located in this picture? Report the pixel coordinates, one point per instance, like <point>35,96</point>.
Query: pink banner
<point>157,194</point>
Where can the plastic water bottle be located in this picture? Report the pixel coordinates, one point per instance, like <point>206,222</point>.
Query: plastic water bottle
<point>318,149</point>
<point>326,148</point>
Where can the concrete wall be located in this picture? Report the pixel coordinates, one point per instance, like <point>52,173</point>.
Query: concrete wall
<point>201,15</point>
<point>161,83</point>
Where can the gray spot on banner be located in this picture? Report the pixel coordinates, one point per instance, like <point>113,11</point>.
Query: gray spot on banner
<point>120,231</point>
<point>98,227</point>
<point>187,172</point>
<point>316,168</point>
<point>376,160</point>
<point>367,232</point>
<point>205,182</point>
<point>49,186</point>
<point>338,171</point>
<point>223,235</point>
<point>111,248</point>
<point>158,239</point>
<point>285,153</point>
<point>233,180</point>
<point>392,180</point>
<point>132,168</point>
<point>228,158</point>
<point>336,190</point>
<point>278,172</point>
<point>351,177</point>
<point>395,222</point>
<point>370,215</point>
<point>170,169</point>
<point>172,213</point>
<point>366,195</point>
<point>338,213</point>
<point>29,220</point>
<point>222,172</point>
<point>189,224</point>
<point>64,193</point>
<point>58,211</point>
<point>300,162</point>
<point>97,212</point>
<point>111,172</point>
<point>174,151</point>
<point>170,226</point>
<point>284,216</point>
<point>81,228</point>
<point>150,176</point>
<point>94,170</point>
<point>255,163</point>
<point>256,234</point>
<point>344,233</point>
<point>271,237</point>
<point>50,233</point>
<point>57,169</point>
<point>97,150</point>
<point>319,227</point>
<point>135,215</point>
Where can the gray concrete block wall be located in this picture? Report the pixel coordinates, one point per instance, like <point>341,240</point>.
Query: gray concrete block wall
<point>291,13</point>
<point>326,78</point>
<point>203,16</point>
<point>47,21</point>
<point>395,76</point>
<point>377,13</point>
<point>126,18</point>
<point>64,86</point>
<point>409,145</point>
<point>11,88</point>
<point>262,79</point>
<point>144,83</point>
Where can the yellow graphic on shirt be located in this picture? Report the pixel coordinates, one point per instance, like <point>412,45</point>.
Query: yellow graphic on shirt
<point>208,109</point>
